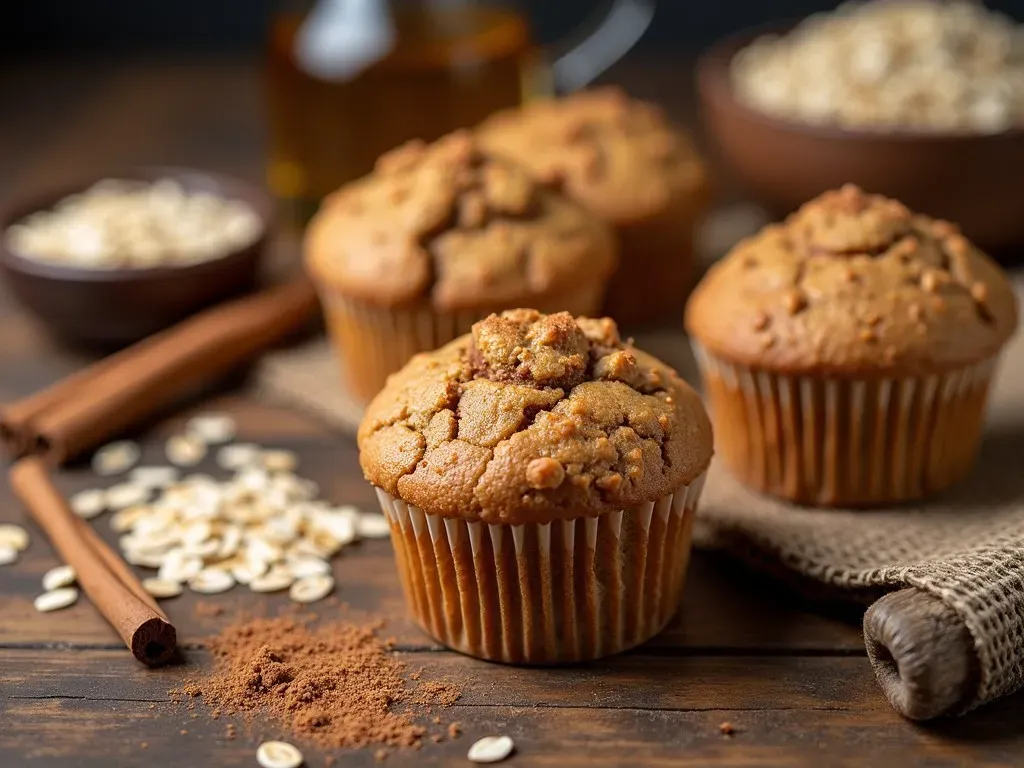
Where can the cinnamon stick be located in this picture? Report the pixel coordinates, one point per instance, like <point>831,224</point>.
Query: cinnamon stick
<point>77,414</point>
<point>16,417</point>
<point>144,629</point>
<point>118,567</point>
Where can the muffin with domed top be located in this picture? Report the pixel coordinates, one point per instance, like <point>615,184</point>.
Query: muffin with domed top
<point>848,351</point>
<point>541,478</point>
<point>438,236</point>
<point>624,161</point>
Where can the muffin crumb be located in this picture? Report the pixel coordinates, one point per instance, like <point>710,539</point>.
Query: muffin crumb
<point>544,472</point>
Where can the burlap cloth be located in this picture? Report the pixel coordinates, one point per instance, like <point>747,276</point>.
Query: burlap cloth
<point>966,549</point>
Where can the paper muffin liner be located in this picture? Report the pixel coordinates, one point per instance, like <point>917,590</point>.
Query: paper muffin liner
<point>846,442</point>
<point>376,341</point>
<point>564,591</point>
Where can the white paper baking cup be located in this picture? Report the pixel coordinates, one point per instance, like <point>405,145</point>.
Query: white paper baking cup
<point>375,341</point>
<point>845,442</point>
<point>569,590</point>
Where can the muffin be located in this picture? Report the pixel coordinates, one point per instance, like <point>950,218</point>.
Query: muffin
<point>621,159</point>
<point>437,237</point>
<point>541,479</point>
<point>847,352</point>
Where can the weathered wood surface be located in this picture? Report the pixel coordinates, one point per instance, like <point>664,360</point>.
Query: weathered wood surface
<point>794,681</point>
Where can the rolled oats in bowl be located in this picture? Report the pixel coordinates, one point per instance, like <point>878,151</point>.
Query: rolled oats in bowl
<point>891,64</point>
<point>120,224</point>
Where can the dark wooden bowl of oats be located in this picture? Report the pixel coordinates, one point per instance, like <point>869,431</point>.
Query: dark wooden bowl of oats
<point>99,268</point>
<point>974,179</point>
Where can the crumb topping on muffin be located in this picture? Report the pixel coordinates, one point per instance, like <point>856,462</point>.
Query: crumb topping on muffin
<point>618,156</point>
<point>532,418</point>
<point>456,225</point>
<point>854,282</point>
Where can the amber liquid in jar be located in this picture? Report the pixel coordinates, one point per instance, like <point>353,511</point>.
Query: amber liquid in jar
<point>450,67</point>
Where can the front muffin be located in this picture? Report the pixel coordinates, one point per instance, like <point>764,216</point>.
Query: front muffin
<point>848,352</point>
<point>438,236</point>
<point>541,479</point>
<point>621,159</point>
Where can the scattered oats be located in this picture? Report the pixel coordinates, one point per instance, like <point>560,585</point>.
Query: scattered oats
<point>491,749</point>
<point>185,450</point>
<point>13,536</point>
<point>311,588</point>
<point>238,455</point>
<point>161,588</point>
<point>124,495</point>
<point>274,580</point>
<point>244,573</point>
<point>231,537</point>
<point>262,550</point>
<point>56,599</point>
<point>8,554</point>
<point>115,458</point>
<point>373,526</point>
<point>212,428</point>
<point>123,520</point>
<point>303,566</point>
<point>88,504</point>
<point>278,754</point>
<point>144,559</point>
<point>178,565</point>
<point>154,477</point>
<point>253,480</point>
<point>263,527</point>
<point>211,581</point>
<point>61,576</point>
<point>340,525</point>
<point>280,461</point>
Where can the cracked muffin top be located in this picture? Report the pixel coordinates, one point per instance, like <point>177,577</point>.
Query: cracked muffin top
<point>854,283</point>
<point>533,418</point>
<point>618,156</point>
<point>455,226</point>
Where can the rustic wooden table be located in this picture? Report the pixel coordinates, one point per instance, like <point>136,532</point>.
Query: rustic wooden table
<point>792,679</point>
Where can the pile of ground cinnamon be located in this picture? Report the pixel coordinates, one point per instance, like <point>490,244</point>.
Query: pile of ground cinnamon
<point>336,685</point>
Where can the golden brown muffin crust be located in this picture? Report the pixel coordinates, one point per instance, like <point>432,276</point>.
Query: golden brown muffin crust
<point>533,418</point>
<point>617,156</point>
<point>854,283</point>
<point>457,226</point>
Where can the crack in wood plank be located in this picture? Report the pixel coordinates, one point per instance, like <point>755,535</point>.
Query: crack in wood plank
<point>650,651</point>
<point>458,705</point>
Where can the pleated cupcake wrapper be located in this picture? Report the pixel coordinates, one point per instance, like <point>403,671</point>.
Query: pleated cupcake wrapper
<point>569,590</point>
<point>376,341</point>
<point>856,442</point>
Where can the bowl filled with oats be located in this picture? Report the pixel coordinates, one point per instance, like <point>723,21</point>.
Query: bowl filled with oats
<point>919,100</point>
<point>110,261</point>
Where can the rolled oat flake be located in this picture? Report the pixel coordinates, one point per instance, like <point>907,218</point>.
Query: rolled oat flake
<point>278,754</point>
<point>13,536</point>
<point>56,599</point>
<point>115,458</point>
<point>161,588</point>
<point>491,749</point>
<point>89,503</point>
<point>311,588</point>
<point>8,554</point>
<point>61,576</point>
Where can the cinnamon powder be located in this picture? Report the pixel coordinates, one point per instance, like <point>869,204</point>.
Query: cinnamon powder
<point>336,685</point>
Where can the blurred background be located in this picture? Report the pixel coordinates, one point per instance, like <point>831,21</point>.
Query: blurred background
<point>91,86</point>
<point>240,26</point>
<point>196,67</point>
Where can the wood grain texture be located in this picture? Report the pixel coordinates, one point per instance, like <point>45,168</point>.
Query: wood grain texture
<point>792,678</point>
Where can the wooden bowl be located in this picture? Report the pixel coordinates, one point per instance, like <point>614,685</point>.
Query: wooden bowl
<point>975,180</point>
<point>114,307</point>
